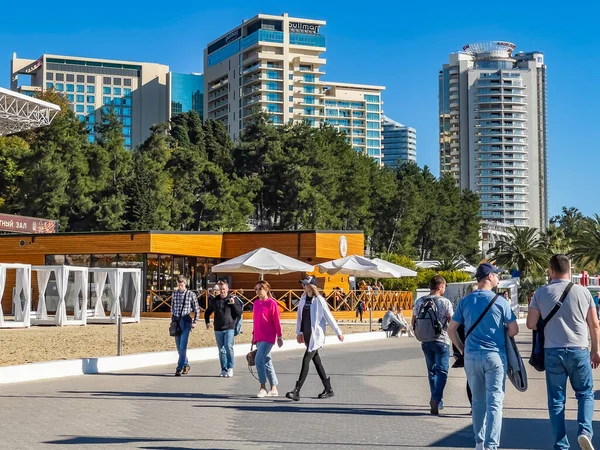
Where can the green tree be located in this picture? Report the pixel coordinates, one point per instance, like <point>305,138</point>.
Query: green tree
<point>524,249</point>
<point>586,245</point>
<point>13,151</point>
<point>454,262</point>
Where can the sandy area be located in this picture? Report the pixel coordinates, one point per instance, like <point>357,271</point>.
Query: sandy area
<point>20,346</point>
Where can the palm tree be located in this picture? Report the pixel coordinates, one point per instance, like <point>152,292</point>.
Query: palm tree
<point>586,246</point>
<point>455,262</point>
<point>556,240</point>
<point>524,249</point>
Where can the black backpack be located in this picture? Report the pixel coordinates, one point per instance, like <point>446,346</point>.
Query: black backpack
<point>428,327</point>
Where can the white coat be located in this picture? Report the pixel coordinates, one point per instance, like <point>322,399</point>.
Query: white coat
<point>320,316</point>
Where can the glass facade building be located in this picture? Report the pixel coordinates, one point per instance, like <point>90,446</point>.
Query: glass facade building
<point>186,93</point>
<point>399,143</point>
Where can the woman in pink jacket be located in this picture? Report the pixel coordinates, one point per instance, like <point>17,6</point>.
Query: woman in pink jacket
<point>267,330</point>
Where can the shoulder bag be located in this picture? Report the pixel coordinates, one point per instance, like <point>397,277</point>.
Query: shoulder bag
<point>537,345</point>
<point>174,328</point>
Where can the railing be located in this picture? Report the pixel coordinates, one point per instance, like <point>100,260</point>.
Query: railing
<point>160,301</point>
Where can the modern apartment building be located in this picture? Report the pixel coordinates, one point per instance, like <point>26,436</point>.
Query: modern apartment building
<point>186,93</point>
<point>137,92</point>
<point>493,136</point>
<point>399,143</point>
<point>275,64</point>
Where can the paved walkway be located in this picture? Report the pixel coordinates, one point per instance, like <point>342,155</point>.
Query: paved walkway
<point>381,403</point>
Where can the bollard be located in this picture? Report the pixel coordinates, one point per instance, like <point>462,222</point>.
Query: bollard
<point>370,319</point>
<point>120,335</point>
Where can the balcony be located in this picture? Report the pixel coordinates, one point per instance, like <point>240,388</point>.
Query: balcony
<point>221,83</point>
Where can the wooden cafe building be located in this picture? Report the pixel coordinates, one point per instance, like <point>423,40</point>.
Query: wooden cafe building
<point>163,255</point>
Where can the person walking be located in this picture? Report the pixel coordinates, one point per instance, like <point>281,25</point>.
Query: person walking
<point>485,316</point>
<point>227,309</point>
<point>566,353</point>
<point>183,302</point>
<point>434,310</point>
<point>360,309</point>
<point>313,317</point>
<point>266,330</point>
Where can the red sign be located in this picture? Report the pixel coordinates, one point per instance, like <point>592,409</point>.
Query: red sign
<point>22,224</point>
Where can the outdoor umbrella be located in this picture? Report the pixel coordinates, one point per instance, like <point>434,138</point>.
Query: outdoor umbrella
<point>263,261</point>
<point>398,271</point>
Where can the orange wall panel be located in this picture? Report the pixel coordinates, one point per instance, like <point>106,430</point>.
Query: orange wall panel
<point>328,245</point>
<point>207,245</point>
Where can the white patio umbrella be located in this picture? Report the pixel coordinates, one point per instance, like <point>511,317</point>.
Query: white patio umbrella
<point>399,271</point>
<point>262,261</point>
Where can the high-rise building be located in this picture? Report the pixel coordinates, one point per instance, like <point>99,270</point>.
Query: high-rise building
<point>186,93</point>
<point>274,64</point>
<point>399,143</point>
<point>137,92</point>
<point>493,137</point>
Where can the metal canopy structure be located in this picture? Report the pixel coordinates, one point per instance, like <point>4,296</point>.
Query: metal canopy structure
<point>19,112</point>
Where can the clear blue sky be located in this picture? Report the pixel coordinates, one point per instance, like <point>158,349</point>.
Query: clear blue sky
<point>401,45</point>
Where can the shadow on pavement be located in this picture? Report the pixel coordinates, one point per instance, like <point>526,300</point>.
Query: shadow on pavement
<point>100,440</point>
<point>532,434</point>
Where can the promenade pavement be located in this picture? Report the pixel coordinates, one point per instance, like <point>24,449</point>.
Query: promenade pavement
<point>381,402</point>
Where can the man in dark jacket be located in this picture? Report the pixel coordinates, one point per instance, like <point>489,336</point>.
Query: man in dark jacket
<point>227,309</point>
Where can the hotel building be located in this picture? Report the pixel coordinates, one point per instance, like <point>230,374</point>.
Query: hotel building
<point>399,143</point>
<point>186,93</point>
<point>136,91</point>
<point>493,134</point>
<point>275,64</point>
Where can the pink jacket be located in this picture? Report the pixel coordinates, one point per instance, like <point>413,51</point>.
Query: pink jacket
<point>267,327</point>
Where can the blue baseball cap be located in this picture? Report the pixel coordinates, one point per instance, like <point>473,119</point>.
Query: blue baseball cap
<point>485,269</point>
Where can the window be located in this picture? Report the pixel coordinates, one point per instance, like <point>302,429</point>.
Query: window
<point>81,117</point>
<point>80,88</point>
<point>273,86</point>
<point>70,97</point>
<point>309,78</point>
<point>91,99</point>
<point>91,119</point>
<point>372,107</point>
<point>273,97</point>
<point>91,138</point>
<point>291,109</point>
<point>117,110</point>
<point>309,99</point>
<point>372,116</point>
<point>116,91</point>
<point>127,111</point>
<point>373,125</point>
<point>106,100</point>
<point>79,108</point>
<point>372,143</point>
<point>91,89</point>
<point>80,98</point>
<point>91,79</point>
<point>127,82</point>
<point>126,131</point>
<point>60,77</point>
<point>128,141</point>
<point>291,97</point>
<point>117,81</point>
<point>70,88</point>
<point>291,76</point>
<point>126,121</point>
<point>291,87</point>
<point>273,75</point>
<point>106,80</point>
<point>373,134</point>
<point>89,109</point>
<point>273,108</point>
<point>126,101</point>
<point>81,78</point>
<point>106,90</point>
<point>49,85</point>
<point>126,92</point>
<point>372,98</point>
<point>309,89</point>
<point>50,76</point>
<point>70,77</point>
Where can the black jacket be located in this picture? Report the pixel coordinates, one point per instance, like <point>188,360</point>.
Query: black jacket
<point>225,314</point>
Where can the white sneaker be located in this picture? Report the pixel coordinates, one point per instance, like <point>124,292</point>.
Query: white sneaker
<point>229,373</point>
<point>262,393</point>
<point>223,373</point>
<point>273,393</point>
<point>585,443</point>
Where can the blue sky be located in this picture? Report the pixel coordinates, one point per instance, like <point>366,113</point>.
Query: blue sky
<point>401,45</point>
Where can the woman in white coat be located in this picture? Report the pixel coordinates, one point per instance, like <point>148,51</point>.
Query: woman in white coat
<point>313,316</point>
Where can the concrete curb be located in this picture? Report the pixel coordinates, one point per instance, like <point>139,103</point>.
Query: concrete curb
<point>107,364</point>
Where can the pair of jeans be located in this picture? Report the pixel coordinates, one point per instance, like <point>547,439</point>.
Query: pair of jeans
<point>181,341</point>
<point>437,355</point>
<point>225,341</point>
<point>486,374</point>
<point>264,364</point>
<point>573,363</point>
<point>394,327</point>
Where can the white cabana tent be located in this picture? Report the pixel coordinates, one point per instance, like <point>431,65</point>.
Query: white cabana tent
<point>59,289</point>
<point>21,300</point>
<point>263,262</point>
<point>115,290</point>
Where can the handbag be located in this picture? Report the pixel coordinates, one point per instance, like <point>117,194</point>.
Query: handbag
<point>251,356</point>
<point>174,328</point>
<point>537,345</point>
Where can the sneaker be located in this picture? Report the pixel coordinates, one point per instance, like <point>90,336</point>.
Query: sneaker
<point>585,443</point>
<point>435,410</point>
<point>479,446</point>
<point>229,373</point>
<point>186,370</point>
<point>441,405</point>
<point>178,373</point>
<point>262,393</point>
<point>223,373</point>
<point>273,393</point>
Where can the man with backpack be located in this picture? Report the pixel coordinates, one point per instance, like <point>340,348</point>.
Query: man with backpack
<point>485,316</point>
<point>431,315</point>
<point>567,310</point>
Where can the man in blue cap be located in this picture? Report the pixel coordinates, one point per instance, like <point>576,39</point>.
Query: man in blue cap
<point>484,315</point>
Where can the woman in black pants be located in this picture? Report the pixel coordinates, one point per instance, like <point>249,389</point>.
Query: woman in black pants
<point>313,316</point>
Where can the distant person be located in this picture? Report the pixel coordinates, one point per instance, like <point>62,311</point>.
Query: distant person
<point>431,315</point>
<point>266,331</point>
<point>360,309</point>
<point>313,317</point>
<point>566,349</point>
<point>404,324</point>
<point>597,302</point>
<point>506,295</point>
<point>227,310</point>
<point>485,316</point>
<point>183,302</point>
<point>390,322</point>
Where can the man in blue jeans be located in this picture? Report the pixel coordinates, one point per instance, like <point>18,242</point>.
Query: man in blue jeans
<point>183,303</point>
<point>437,350</point>
<point>485,352</point>
<point>566,349</point>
